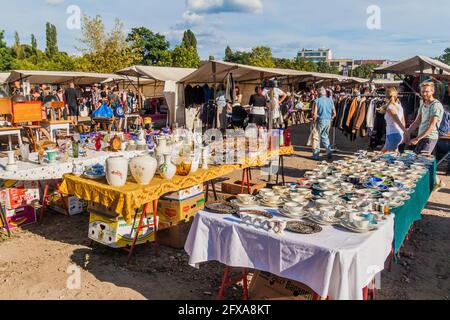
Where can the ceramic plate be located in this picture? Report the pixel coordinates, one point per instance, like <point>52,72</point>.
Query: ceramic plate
<point>271,205</point>
<point>350,227</point>
<point>303,227</point>
<point>257,213</point>
<point>320,221</point>
<point>93,177</point>
<point>221,207</point>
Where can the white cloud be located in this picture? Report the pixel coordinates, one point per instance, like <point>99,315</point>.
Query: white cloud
<point>54,2</point>
<point>220,6</point>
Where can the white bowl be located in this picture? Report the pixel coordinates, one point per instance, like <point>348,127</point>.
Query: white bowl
<point>361,223</point>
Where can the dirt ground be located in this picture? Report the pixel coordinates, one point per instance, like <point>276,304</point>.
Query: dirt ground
<point>35,262</point>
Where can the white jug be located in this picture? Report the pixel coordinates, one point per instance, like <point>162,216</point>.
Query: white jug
<point>117,171</point>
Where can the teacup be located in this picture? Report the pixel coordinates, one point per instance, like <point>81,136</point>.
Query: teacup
<point>297,197</point>
<point>327,213</point>
<point>263,191</point>
<point>293,207</point>
<point>361,223</point>
<point>271,198</point>
<point>245,198</point>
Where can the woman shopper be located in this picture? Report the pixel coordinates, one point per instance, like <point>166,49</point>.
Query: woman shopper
<point>395,122</point>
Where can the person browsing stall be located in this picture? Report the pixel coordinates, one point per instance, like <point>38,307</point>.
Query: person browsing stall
<point>395,122</point>
<point>324,112</point>
<point>431,113</point>
<point>258,104</point>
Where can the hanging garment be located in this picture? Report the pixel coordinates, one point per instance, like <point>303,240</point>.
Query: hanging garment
<point>230,93</point>
<point>189,96</point>
<point>351,112</point>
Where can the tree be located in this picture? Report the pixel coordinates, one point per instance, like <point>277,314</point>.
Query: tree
<point>33,43</point>
<point>364,71</point>
<point>52,40</point>
<point>189,39</point>
<point>324,67</point>
<point>445,58</point>
<point>228,54</point>
<point>152,46</point>
<point>211,58</point>
<point>105,52</point>
<point>5,54</point>
<point>16,47</point>
<point>185,57</point>
<point>261,57</point>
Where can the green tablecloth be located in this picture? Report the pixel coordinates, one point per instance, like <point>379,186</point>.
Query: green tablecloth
<point>412,210</point>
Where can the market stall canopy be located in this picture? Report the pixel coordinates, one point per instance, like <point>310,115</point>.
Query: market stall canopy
<point>217,71</point>
<point>417,64</point>
<point>387,83</point>
<point>59,77</point>
<point>158,74</point>
<point>4,77</point>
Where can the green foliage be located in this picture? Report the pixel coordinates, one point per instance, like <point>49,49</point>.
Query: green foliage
<point>324,67</point>
<point>364,71</point>
<point>16,47</point>
<point>185,57</point>
<point>189,39</point>
<point>445,58</point>
<point>105,51</point>
<point>240,57</point>
<point>261,57</point>
<point>152,46</point>
<point>52,40</point>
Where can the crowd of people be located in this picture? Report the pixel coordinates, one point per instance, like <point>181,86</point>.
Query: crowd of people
<point>81,101</point>
<point>422,135</point>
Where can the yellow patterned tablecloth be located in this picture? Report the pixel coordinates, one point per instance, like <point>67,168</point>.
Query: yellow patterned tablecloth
<point>125,200</point>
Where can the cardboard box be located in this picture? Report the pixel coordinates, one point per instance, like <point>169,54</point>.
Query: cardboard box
<point>172,212</point>
<point>20,217</point>
<point>234,188</point>
<point>116,233</point>
<point>266,286</point>
<point>175,236</point>
<point>104,211</point>
<point>67,205</point>
<point>185,194</point>
<point>19,193</point>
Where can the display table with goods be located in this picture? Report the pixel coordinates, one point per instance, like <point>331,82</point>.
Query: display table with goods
<point>54,160</point>
<point>332,231</point>
<point>130,185</point>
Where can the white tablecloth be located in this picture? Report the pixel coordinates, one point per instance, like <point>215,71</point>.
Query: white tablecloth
<point>334,263</point>
<point>29,171</point>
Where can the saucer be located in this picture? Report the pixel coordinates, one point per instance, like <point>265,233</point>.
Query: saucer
<point>252,203</point>
<point>320,221</point>
<point>288,214</point>
<point>351,227</point>
<point>271,204</point>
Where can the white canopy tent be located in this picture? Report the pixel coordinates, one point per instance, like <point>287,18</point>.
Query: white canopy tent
<point>415,65</point>
<point>160,82</point>
<point>59,77</point>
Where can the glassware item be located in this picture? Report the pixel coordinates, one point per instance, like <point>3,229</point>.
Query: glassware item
<point>76,149</point>
<point>25,152</point>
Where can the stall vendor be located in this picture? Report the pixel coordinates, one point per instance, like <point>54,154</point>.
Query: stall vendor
<point>429,119</point>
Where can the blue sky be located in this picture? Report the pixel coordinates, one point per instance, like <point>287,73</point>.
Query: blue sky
<point>407,27</point>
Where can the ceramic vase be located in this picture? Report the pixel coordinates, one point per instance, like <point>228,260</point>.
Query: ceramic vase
<point>143,169</point>
<point>117,171</point>
<point>167,170</point>
<point>195,162</point>
<point>11,166</point>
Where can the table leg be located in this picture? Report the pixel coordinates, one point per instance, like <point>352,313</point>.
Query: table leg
<point>243,181</point>
<point>249,182</point>
<point>155,222</point>
<point>207,191</point>
<point>214,190</point>
<point>245,283</point>
<point>44,200</point>
<point>138,231</point>
<point>366,293</point>
<point>20,138</point>
<point>4,221</point>
<point>224,283</point>
<point>9,142</point>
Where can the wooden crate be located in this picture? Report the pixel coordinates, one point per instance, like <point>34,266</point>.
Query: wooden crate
<point>24,112</point>
<point>5,106</point>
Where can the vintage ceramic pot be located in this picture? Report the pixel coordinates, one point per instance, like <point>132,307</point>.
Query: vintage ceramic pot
<point>117,171</point>
<point>167,170</point>
<point>143,169</point>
